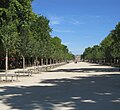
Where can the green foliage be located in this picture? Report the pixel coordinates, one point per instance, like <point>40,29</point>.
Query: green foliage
<point>115,50</point>
<point>56,47</point>
<point>8,30</point>
<point>115,47</point>
<point>41,36</point>
<point>26,34</point>
<point>109,48</point>
<point>58,50</point>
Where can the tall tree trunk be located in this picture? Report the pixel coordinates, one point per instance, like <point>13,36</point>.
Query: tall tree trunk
<point>114,61</point>
<point>23,63</point>
<point>35,63</point>
<point>6,63</point>
<point>42,62</point>
<point>117,61</point>
<point>53,61</point>
<point>104,60</point>
<point>46,61</point>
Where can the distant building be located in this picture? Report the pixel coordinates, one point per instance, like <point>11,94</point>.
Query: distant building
<point>77,57</point>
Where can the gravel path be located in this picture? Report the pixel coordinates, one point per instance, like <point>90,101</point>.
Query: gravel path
<point>81,86</point>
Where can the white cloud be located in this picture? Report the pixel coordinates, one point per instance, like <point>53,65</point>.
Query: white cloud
<point>73,20</point>
<point>55,20</point>
<point>82,19</point>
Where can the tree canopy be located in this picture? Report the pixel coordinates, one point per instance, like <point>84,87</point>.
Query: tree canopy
<point>26,34</point>
<point>108,49</point>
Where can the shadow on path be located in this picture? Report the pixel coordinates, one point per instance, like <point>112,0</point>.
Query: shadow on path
<point>81,93</point>
<point>87,70</point>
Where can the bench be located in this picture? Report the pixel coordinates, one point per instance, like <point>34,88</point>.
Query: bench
<point>7,77</point>
<point>45,67</point>
<point>34,71</point>
<point>23,73</point>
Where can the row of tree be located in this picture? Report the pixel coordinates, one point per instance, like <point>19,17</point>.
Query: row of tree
<point>27,35</point>
<point>108,51</point>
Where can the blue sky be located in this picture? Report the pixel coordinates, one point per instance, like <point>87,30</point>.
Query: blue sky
<point>79,23</point>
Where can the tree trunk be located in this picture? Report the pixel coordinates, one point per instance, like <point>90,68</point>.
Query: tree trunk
<point>114,60</point>
<point>117,61</point>
<point>53,61</point>
<point>23,63</point>
<point>104,60</point>
<point>6,63</point>
<point>41,62</point>
<point>36,61</point>
<point>35,64</point>
<point>46,61</point>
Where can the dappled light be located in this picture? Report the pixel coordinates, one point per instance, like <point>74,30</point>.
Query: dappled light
<point>56,55</point>
<point>68,94</point>
<point>88,70</point>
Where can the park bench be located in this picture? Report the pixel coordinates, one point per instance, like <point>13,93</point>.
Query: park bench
<point>47,67</point>
<point>8,77</point>
<point>23,73</point>
<point>34,71</point>
<point>39,69</point>
<point>42,68</point>
<point>52,66</point>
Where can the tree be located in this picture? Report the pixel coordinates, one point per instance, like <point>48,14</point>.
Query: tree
<point>108,49</point>
<point>41,34</point>
<point>8,30</point>
<point>23,33</point>
<point>115,47</point>
<point>116,50</point>
<point>56,48</point>
<point>25,17</point>
<point>87,53</point>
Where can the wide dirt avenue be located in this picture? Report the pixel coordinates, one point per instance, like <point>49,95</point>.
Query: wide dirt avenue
<point>81,86</point>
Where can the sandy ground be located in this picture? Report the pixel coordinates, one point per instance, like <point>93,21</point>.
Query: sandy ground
<point>81,86</point>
